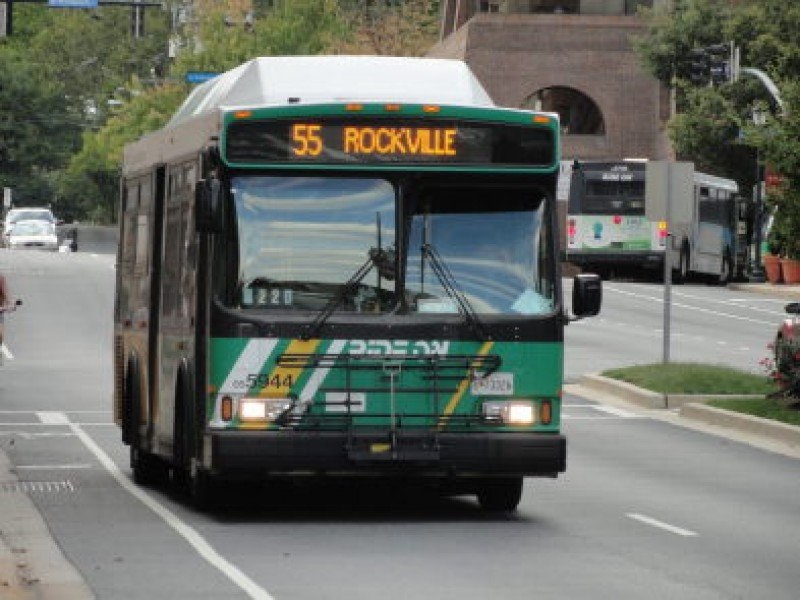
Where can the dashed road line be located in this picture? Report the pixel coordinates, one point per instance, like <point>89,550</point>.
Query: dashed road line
<point>661,525</point>
<point>53,467</point>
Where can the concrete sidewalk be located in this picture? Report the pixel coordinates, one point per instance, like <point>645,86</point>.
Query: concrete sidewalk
<point>781,290</point>
<point>31,564</point>
<point>690,411</point>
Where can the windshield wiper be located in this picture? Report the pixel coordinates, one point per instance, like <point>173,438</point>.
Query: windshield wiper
<point>450,286</point>
<point>377,256</point>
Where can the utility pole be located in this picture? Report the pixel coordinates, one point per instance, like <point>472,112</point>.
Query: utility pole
<point>5,17</point>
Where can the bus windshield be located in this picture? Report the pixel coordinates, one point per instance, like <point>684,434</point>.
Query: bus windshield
<point>301,239</point>
<point>495,250</point>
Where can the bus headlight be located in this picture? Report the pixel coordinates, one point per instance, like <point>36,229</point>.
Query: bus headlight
<point>263,409</point>
<point>509,412</point>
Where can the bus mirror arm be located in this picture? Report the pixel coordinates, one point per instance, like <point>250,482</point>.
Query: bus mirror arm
<point>587,295</point>
<point>208,204</point>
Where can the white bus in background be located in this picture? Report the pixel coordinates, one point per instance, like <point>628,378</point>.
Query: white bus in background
<point>616,218</point>
<point>713,240</point>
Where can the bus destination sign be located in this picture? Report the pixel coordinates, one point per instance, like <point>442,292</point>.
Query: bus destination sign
<point>328,141</point>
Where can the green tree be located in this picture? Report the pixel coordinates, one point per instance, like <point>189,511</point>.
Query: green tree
<point>89,186</point>
<point>714,126</point>
<point>38,130</point>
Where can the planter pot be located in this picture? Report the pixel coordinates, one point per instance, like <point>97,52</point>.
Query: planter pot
<point>790,269</point>
<point>772,267</point>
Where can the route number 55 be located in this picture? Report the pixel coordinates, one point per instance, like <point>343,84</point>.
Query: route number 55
<point>307,139</point>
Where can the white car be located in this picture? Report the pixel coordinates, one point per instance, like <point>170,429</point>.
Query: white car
<point>34,234</point>
<point>27,213</point>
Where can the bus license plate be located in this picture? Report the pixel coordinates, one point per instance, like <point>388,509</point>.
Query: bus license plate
<point>495,384</point>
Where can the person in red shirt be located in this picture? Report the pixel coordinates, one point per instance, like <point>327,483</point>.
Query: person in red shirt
<point>5,304</point>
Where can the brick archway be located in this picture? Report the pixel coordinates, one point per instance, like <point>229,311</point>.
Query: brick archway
<point>579,114</point>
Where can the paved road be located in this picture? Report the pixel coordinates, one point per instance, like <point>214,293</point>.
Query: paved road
<point>646,509</point>
<point>709,324</point>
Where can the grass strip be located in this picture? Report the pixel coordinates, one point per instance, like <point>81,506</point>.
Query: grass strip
<point>765,408</point>
<point>692,378</point>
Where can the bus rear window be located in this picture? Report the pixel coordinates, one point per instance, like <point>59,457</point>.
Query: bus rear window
<point>613,197</point>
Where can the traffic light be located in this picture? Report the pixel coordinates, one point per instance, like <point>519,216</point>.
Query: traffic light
<point>719,64</point>
<point>698,66</point>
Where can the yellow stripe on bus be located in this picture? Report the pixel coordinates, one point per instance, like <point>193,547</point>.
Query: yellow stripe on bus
<point>462,388</point>
<point>286,377</point>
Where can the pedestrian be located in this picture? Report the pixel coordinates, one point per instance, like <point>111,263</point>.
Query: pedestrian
<point>5,304</point>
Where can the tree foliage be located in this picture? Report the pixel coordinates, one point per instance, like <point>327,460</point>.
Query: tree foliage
<point>38,131</point>
<point>714,126</point>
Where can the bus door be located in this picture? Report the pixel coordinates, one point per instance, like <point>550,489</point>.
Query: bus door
<point>709,230</point>
<point>157,213</point>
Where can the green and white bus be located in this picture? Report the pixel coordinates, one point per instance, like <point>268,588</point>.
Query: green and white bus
<point>344,266</point>
<point>609,227</point>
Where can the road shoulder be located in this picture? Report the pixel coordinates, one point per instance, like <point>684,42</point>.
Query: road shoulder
<point>31,564</point>
<point>692,413</point>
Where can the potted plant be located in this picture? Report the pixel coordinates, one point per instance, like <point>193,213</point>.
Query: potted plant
<point>772,249</point>
<point>789,216</point>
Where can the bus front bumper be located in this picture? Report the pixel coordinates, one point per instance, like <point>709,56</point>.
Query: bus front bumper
<point>336,452</point>
<point>615,258</point>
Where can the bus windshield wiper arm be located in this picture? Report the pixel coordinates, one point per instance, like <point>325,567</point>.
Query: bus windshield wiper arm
<point>450,286</point>
<point>377,256</point>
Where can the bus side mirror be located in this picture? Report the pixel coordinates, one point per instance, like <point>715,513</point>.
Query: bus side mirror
<point>587,295</point>
<point>208,204</point>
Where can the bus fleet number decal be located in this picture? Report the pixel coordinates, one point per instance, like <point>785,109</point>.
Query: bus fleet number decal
<point>264,380</point>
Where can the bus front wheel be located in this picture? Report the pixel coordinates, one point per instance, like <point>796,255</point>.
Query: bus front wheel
<point>501,494</point>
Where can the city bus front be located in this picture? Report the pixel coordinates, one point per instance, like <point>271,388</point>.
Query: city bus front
<point>387,314</point>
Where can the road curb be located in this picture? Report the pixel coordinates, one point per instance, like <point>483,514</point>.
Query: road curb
<point>779,432</point>
<point>647,399</point>
<point>790,292</point>
<point>692,408</point>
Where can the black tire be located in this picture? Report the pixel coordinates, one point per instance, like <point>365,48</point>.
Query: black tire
<point>726,269</point>
<point>500,494</point>
<point>681,275</point>
<point>147,468</point>
<point>201,490</point>
<point>183,440</point>
<point>131,403</point>
<point>197,483</point>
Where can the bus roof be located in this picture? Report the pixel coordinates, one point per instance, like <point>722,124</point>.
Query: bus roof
<point>282,80</point>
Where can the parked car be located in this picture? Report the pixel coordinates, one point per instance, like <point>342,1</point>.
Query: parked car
<point>27,213</point>
<point>787,352</point>
<point>34,234</point>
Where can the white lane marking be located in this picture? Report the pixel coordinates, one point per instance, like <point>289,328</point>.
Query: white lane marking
<point>6,352</point>
<point>198,542</point>
<point>26,435</point>
<point>730,302</point>
<point>690,307</point>
<point>617,412</point>
<point>52,467</point>
<point>66,412</point>
<point>661,525</point>
<point>53,418</point>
